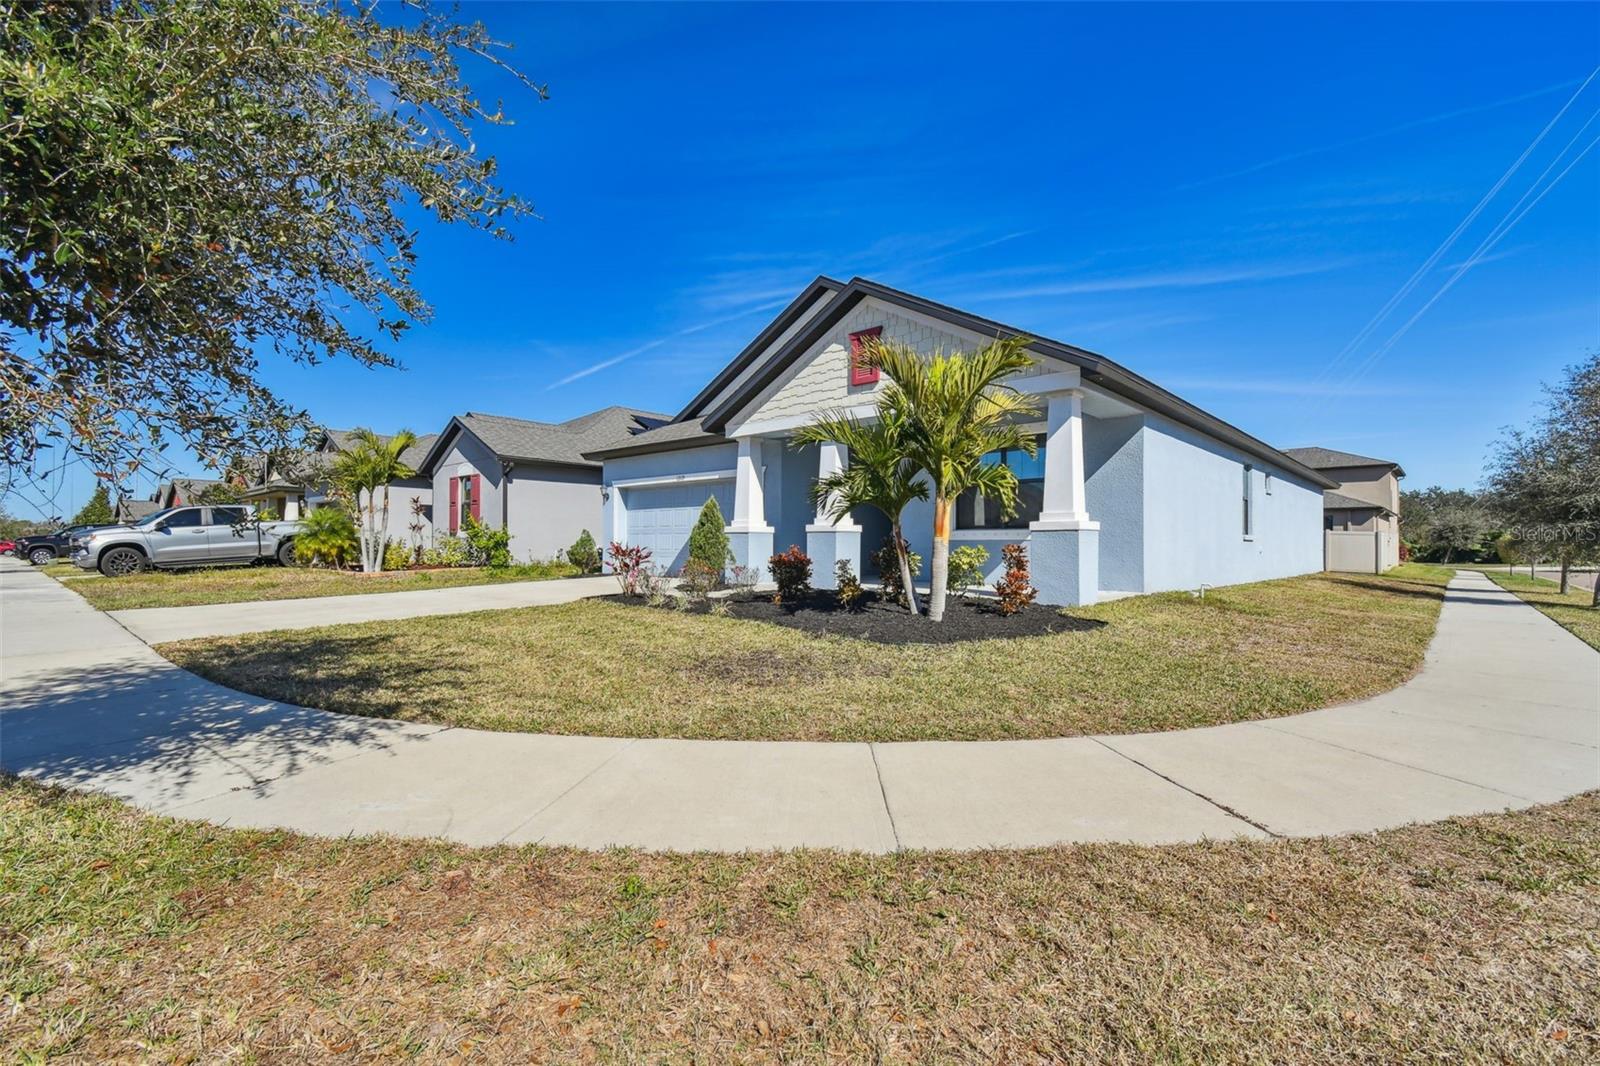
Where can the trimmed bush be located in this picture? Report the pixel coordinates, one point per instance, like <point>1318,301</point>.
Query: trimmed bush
<point>631,566</point>
<point>966,568</point>
<point>327,538</point>
<point>486,546</point>
<point>792,571</point>
<point>585,554</point>
<point>848,587</point>
<point>708,541</point>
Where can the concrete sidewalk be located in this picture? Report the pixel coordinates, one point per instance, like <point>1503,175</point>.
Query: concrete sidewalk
<point>157,624</point>
<point>1505,714</point>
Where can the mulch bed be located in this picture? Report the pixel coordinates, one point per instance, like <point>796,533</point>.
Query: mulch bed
<point>885,623</point>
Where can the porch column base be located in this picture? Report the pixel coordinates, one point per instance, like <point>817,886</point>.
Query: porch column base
<point>1065,564</point>
<point>751,548</point>
<point>827,545</point>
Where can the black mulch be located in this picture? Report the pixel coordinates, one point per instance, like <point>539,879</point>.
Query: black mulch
<point>885,623</point>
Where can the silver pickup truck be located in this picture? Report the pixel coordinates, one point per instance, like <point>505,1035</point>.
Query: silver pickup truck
<point>185,536</point>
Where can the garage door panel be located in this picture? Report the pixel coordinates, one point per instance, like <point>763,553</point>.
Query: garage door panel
<point>661,517</point>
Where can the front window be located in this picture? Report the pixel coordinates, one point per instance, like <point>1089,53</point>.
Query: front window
<point>466,501</point>
<point>975,512</point>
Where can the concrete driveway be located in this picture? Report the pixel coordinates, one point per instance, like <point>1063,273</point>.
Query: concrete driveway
<point>1505,714</point>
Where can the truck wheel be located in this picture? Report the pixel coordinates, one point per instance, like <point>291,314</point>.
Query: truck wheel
<point>40,556</point>
<point>120,562</point>
<point>286,553</point>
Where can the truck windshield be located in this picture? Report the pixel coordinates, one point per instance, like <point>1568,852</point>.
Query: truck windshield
<point>153,518</point>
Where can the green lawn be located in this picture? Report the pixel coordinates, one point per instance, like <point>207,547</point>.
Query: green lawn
<point>186,588</point>
<point>128,937</point>
<point>1574,611</point>
<point>1162,662</point>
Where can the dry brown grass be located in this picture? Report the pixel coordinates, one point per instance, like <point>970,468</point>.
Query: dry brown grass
<point>1161,662</point>
<point>129,937</point>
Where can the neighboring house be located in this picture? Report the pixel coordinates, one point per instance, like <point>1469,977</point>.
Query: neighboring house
<point>290,484</point>
<point>529,478</point>
<point>402,491</point>
<point>130,510</point>
<point>1133,490</point>
<point>182,490</point>
<point>1365,500</point>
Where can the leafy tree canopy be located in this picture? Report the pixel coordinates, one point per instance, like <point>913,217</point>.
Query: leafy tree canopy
<point>97,511</point>
<point>193,185</point>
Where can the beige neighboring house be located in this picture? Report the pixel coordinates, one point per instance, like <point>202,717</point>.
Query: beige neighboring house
<point>1360,518</point>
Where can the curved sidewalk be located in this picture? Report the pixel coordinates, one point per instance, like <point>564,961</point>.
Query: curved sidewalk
<point>1506,713</point>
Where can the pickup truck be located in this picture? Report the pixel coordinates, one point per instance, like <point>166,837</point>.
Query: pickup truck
<point>185,536</point>
<point>41,548</point>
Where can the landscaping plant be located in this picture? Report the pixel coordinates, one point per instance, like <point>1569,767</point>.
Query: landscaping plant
<point>629,564</point>
<point>708,541</point>
<point>847,585</point>
<point>743,580</point>
<point>486,546</point>
<point>1013,589</point>
<point>451,551</point>
<point>327,538</point>
<point>892,574</point>
<point>880,474</point>
<point>954,410</point>
<point>966,568</point>
<point>396,556</point>
<point>697,581</point>
<point>792,571</point>
<point>97,512</point>
<point>418,526</point>
<point>584,554</point>
<point>363,470</point>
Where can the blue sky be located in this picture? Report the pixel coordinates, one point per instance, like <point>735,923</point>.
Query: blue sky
<point>1219,198</point>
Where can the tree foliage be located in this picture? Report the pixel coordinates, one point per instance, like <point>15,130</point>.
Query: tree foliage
<point>97,512</point>
<point>708,540</point>
<point>363,471</point>
<point>1446,525</point>
<point>192,186</point>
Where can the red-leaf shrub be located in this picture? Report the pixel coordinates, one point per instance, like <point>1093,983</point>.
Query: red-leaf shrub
<point>1405,552</point>
<point>1013,589</point>
<point>629,564</point>
<point>792,571</point>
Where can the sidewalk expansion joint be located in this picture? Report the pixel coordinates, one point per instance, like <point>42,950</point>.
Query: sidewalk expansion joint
<point>1218,804</point>
<point>884,793</point>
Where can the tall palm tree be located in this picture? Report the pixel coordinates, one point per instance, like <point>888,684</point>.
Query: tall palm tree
<point>878,475</point>
<point>364,470</point>
<point>956,409</point>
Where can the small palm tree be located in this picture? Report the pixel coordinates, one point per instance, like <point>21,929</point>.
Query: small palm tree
<point>878,475</point>
<point>956,409</point>
<point>364,470</point>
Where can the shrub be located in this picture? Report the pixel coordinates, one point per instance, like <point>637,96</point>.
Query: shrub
<point>849,589</point>
<point>708,541</point>
<point>792,571</point>
<point>966,568</point>
<point>451,551</point>
<point>327,538</point>
<point>654,586</point>
<point>486,546</point>
<point>396,556</point>
<point>1405,552</point>
<point>1013,589</point>
<point>888,564</point>
<point>699,580</point>
<point>629,564</point>
<point>584,554</point>
<point>743,580</point>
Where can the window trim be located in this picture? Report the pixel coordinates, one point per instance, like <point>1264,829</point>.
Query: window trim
<point>1022,517</point>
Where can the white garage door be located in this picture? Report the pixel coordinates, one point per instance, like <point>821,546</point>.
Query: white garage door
<point>660,517</point>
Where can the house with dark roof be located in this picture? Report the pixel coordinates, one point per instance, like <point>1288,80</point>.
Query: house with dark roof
<point>532,479</point>
<point>1133,489</point>
<point>1365,500</point>
<point>131,510</point>
<point>182,490</point>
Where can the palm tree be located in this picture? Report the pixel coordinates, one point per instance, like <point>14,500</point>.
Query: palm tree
<point>364,470</point>
<point>956,410</point>
<point>878,475</point>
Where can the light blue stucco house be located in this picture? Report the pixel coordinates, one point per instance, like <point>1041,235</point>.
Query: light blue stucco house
<point>1134,490</point>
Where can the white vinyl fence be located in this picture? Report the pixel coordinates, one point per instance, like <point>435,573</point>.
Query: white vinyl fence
<point>1370,552</point>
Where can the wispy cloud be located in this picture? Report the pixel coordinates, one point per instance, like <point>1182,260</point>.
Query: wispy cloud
<point>1270,387</point>
<point>652,345</point>
<point>1415,123</point>
<point>1172,279</point>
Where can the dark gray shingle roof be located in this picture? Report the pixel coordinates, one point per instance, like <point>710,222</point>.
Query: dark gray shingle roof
<point>685,434</point>
<point>412,456</point>
<point>557,442</point>
<point>1328,458</point>
<point>1338,501</point>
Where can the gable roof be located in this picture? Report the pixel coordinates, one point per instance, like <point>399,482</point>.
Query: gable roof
<point>561,443</point>
<point>339,440</point>
<point>1096,369</point>
<point>1329,459</point>
<point>1338,501</point>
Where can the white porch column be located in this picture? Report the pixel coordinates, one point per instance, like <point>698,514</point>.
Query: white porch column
<point>749,535</point>
<point>749,505</point>
<point>1065,504</point>
<point>831,458</point>
<point>827,541</point>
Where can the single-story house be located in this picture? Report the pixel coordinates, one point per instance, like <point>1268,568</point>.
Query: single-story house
<point>131,510</point>
<point>1134,489</point>
<point>183,490</point>
<point>1365,500</point>
<point>401,490</point>
<point>529,478</point>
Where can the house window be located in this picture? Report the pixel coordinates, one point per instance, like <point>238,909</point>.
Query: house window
<point>466,502</point>
<point>1267,477</point>
<point>860,372</point>
<point>975,512</point>
<point>1249,514</point>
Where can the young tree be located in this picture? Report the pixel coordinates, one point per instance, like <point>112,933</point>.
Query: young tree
<point>363,471</point>
<point>708,540</point>
<point>879,475</point>
<point>190,186</point>
<point>956,409</point>
<point>97,512</point>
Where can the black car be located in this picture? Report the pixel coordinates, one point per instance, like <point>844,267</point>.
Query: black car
<point>43,548</point>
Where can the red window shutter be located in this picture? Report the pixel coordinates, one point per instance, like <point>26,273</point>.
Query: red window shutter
<point>860,373</point>
<point>455,504</point>
<point>477,497</point>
